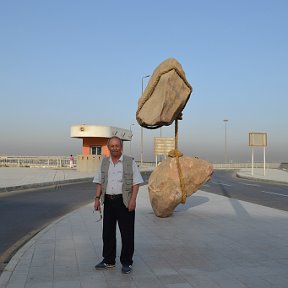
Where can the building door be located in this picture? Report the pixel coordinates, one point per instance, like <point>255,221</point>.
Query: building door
<point>96,150</point>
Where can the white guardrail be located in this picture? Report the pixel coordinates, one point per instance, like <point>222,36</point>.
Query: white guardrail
<point>35,161</point>
<point>63,162</point>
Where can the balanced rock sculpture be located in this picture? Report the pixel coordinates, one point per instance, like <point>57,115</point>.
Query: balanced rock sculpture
<point>164,97</point>
<point>164,185</point>
<point>160,105</point>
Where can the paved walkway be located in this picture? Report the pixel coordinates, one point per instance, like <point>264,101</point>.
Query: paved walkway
<point>211,241</point>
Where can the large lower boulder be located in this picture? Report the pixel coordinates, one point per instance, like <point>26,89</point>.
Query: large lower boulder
<point>164,187</point>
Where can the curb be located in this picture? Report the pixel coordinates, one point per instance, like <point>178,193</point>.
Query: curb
<point>260,179</point>
<point>45,184</point>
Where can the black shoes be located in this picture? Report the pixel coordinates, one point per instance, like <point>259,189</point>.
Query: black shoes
<point>102,265</point>
<point>126,269</point>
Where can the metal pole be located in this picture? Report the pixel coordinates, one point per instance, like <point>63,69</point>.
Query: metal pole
<point>226,157</point>
<point>141,156</point>
<point>131,138</point>
<point>130,148</point>
<point>264,156</point>
<point>252,161</point>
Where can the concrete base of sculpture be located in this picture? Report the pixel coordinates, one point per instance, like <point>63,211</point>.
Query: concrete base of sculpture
<point>164,182</point>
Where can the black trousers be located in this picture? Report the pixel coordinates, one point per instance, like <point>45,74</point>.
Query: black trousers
<point>115,211</point>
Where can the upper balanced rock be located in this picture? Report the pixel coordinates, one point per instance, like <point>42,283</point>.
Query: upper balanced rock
<point>165,95</point>
<point>164,183</point>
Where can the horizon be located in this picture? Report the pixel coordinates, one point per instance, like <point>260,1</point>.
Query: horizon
<point>68,63</point>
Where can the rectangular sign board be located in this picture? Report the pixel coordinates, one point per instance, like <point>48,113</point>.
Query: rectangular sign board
<point>258,139</point>
<point>162,145</point>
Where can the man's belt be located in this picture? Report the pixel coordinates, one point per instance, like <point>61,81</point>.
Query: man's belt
<point>113,197</point>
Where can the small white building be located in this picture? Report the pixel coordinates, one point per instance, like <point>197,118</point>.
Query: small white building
<point>94,143</point>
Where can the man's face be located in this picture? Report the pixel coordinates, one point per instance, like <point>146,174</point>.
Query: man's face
<point>115,148</point>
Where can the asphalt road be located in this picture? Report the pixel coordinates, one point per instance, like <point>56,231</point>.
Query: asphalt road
<point>225,182</point>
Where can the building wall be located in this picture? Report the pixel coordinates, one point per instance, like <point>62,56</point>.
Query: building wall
<point>95,141</point>
<point>88,163</point>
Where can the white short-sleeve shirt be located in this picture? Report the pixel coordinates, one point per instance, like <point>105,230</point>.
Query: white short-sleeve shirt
<point>115,176</point>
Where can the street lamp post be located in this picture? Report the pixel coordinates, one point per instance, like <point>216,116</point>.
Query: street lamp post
<point>131,137</point>
<point>141,157</point>
<point>226,157</point>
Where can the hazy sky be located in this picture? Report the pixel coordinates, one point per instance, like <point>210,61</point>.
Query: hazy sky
<point>64,63</point>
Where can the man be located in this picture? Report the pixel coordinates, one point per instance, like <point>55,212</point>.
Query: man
<point>117,184</point>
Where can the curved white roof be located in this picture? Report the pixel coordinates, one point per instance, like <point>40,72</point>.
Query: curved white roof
<point>83,131</point>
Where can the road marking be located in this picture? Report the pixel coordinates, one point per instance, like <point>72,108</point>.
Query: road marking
<point>285,195</point>
<point>220,183</point>
<point>248,184</point>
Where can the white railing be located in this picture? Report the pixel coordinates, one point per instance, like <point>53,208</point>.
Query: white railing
<point>35,161</point>
<point>63,162</point>
<point>246,165</point>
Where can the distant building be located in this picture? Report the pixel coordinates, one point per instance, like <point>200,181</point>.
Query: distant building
<point>94,143</point>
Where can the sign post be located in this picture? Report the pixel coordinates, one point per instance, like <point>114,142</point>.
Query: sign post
<point>258,139</point>
<point>162,146</point>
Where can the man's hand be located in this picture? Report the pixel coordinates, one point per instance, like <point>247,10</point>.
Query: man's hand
<point>97,204</point>
<point>132,204</point>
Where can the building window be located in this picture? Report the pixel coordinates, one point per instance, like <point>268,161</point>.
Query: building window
<point>96,150</point>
